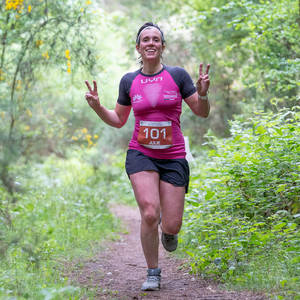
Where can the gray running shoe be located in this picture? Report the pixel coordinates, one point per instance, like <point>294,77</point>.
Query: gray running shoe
<point>153,280</point>
<point>169,241</point>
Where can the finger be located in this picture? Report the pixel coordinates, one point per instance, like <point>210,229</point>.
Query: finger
<point>88,86</point>
<point>207,68</point>
<point>95,86</point>
<point>200,69</point>
<point>199,82</point>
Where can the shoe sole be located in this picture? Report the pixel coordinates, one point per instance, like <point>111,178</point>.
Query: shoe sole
<point>169,250</point>
<point>153,289</point>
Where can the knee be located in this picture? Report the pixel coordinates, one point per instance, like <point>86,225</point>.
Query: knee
<point>151,217</point>
<point>171,227</point>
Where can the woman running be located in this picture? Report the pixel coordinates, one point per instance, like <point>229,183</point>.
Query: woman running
<point>155,162</point>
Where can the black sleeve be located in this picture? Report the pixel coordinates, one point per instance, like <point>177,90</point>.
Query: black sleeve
<point>183,81</point>
<point>188,88</point>
<point>124,89</point>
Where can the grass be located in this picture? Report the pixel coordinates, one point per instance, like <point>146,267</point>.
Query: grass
<point>61,214</point>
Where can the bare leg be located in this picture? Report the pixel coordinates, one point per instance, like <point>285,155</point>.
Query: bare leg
<point>172,205</point>
<point>146,190</point>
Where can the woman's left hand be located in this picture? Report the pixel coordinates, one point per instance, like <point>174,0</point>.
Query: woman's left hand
<point>203,81</point>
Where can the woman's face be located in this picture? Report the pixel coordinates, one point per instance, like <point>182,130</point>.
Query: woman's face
<point>150,46</point>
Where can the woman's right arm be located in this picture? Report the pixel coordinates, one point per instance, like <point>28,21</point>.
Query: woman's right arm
<point>116,118</point>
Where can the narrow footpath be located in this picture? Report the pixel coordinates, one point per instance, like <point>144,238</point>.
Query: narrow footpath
<point>119,271</point>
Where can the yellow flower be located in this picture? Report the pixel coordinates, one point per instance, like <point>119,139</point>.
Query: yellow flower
<point>29,8</point>
<point>96,136</point>
<point>81,10</point>
<point>45,55</point>
<point>88,137</point>
<point>67,53</point>
<point>28,112</point>
<point>2,77</point>
<point>27,127</point>
<point>88,2</point>
<point>84,130</point>
<point>13,4</point>
<point>19,85</point>
<point>74,138</point>
<point>68,57</point>
<point>38,43</point>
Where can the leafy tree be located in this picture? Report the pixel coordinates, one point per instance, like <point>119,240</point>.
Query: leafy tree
<point>35,35</point>
<point>272,29</point>
<point>252,47</point>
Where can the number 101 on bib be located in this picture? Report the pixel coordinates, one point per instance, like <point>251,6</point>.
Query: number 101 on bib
<point>155,135</point>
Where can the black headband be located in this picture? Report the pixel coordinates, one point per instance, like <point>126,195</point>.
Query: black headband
<point>156,27</point>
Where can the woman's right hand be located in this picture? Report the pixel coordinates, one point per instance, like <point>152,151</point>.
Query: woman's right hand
<point>92,96</point>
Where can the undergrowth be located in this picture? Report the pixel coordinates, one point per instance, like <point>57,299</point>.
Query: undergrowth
<point>242,213</point>
<point>60,214</point>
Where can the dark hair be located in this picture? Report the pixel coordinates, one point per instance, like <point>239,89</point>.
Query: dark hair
<point>147,25</point>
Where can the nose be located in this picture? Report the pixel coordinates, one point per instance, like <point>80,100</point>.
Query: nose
<point>151,41</point>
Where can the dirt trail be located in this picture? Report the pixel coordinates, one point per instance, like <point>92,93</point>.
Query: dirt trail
<point>118,272</point>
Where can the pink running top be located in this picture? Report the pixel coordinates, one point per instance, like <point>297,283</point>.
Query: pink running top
<point>156,101</point>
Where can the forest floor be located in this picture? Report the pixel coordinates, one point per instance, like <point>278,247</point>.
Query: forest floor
<point>119,271</point>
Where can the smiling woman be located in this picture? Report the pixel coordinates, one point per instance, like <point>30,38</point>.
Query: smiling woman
<point>155,162</point>
<point>150,43</point>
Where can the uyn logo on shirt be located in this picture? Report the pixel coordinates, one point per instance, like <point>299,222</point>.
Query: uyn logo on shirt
<point>151,80</point>
<point>137,98</point>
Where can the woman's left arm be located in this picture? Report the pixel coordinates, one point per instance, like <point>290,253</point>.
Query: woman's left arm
<point>198,102</point>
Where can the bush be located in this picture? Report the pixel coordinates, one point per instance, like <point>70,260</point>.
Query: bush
<point>61,212</point>
<point>242,215</point>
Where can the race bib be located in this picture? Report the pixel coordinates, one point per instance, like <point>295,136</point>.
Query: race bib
<point>155,135</point>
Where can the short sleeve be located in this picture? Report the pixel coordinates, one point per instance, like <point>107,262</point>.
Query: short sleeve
<point>183,81</point>
<point>124,89</point>
<point>187,87</point>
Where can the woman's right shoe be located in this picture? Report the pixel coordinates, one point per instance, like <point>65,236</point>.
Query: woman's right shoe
<point>153,280</point>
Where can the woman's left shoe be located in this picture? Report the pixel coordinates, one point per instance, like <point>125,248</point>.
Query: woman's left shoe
<point>169,241</point>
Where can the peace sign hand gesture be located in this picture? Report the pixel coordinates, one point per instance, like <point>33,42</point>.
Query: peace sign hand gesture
<point>92,95</point>
<point>203,81</point>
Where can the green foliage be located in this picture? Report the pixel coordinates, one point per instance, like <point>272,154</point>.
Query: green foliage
<point>253,50</point>
<point>35,36</point>
<point>62,211</point>
<point>242,215</point>
<point>42,105</point>
<point>272,29</point>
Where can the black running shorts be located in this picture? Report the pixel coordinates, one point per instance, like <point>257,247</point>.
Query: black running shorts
<point>174,171</point>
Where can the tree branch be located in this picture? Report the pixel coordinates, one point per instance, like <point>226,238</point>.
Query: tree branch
<point>4,43</point>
